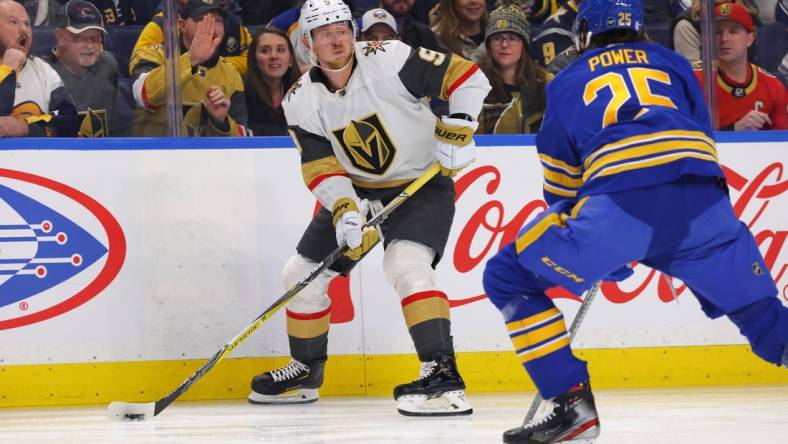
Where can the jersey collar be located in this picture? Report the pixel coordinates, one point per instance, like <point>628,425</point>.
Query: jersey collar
<point>736,89</point>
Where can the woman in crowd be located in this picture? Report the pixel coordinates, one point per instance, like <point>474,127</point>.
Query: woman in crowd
<point>516,102</point>
<point>686,28</point>
<point>272,69</point>
<point>459,26</point>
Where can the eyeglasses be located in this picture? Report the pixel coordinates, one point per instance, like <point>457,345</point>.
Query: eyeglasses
<point>499,38</point>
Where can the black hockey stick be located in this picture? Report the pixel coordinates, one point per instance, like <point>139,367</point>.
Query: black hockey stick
<point>139,411</point>
<point>581,313</point>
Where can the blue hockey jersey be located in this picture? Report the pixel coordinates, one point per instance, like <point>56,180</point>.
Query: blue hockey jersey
<point>621,117</point>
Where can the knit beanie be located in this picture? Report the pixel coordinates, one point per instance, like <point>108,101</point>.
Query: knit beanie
<point>508,17</point>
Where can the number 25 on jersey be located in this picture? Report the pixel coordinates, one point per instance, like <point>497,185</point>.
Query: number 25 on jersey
<point>641,80</point>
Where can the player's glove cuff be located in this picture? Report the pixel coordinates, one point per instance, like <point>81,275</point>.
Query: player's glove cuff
<point>458,132</point>
<point>342,206</point>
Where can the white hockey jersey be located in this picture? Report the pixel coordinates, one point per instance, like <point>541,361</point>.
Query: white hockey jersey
<point>38,97</point>
<point>377,131</point>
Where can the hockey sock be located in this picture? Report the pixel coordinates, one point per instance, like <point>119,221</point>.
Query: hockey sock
<point>308,335</point>
<point>427,316</point>
<point>765,324</point>
<point>538,333</point>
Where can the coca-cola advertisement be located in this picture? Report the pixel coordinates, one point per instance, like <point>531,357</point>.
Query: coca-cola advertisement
<point>502,191</point>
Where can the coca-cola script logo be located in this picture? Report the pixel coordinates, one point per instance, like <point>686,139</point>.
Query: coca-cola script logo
<point>754,197</point>
<point>51,257</point>
<point>493,225</point>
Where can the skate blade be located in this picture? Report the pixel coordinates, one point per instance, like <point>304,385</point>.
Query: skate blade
<point>447,404</point>
<point>299,396</point>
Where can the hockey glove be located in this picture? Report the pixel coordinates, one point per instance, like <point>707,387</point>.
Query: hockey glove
<point>455,148</point>
<point>348,221</point>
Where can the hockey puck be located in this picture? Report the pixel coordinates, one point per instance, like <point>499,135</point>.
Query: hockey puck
<point>135,416</point>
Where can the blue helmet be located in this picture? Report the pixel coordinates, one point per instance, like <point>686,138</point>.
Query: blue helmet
<point>607,15</point>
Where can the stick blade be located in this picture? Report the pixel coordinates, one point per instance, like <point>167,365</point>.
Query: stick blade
<point>131,411</point>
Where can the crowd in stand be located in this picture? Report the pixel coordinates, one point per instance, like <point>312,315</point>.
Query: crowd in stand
<point>239,58</point>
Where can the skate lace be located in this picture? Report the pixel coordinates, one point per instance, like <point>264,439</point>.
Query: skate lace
<point>290,371</point>
<point>545,413</point>
<point>426,369</point>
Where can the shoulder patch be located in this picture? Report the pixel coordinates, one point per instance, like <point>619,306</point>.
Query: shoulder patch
<point>293,88</point>
<point>372,47</point>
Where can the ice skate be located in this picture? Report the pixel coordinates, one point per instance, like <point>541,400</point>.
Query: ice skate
<point>568,417</point>
<point>439,391</point>
<point>295,383</point>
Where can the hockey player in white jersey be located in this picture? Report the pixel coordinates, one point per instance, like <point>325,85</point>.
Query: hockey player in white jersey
<point>361,124</point>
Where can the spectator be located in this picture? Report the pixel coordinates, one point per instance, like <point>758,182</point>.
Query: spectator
<point>459,26</point>
<point>538,11</point>
<point>556,34</point>
<point>211,88</point>
<point>89,74</point>
<point>288,23</point>
<point>115,12</point>
<point>377,24</point>
<point>125,12</point>
<point>411,31</point>
<point>686,29</point>
<point>748,98</point>
<point>260,12</point>
<point>44,12</point>
<point>234,47</point>
<point>662,12</point>
<point>272,70</point>
<point>516,102</point>
<point>33,100</point>
<point>137,12</point>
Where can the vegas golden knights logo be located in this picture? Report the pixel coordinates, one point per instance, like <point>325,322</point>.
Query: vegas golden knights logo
<point>94,123</point>
<point>367,144</point>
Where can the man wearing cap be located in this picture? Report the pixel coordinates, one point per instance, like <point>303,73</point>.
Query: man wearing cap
<point>33,100</point>
<point>748,97</point>
<point>212,91</point>
<point>89,73</point>
<point>235,43</point>
<point>411,31</point>
<point>377,24</point>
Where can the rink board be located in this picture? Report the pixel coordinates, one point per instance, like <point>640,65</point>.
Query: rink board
<point>186,245</point>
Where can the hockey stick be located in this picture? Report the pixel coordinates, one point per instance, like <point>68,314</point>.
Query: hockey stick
<point>140,411</point>
<point>581,313</point>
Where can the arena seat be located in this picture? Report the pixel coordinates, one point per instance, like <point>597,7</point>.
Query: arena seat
<point>771,44</point>
<point>660,33</point>
<point>120,41</point>
<point>43,40</point>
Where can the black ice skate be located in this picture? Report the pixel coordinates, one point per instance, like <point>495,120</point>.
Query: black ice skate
<point>439,391</point>
<point>568,417</point>
<point>295,383</point>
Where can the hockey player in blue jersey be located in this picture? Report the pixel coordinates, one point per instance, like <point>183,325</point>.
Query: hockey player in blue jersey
<point>631,174</point>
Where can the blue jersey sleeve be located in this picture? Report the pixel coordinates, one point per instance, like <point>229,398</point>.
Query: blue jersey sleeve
<point>560,164</point>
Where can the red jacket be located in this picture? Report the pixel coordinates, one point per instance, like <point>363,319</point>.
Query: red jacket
<point>760,91</point>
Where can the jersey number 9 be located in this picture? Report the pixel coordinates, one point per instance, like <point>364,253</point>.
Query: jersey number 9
<point>430,56</point>
<point>640,79</point>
